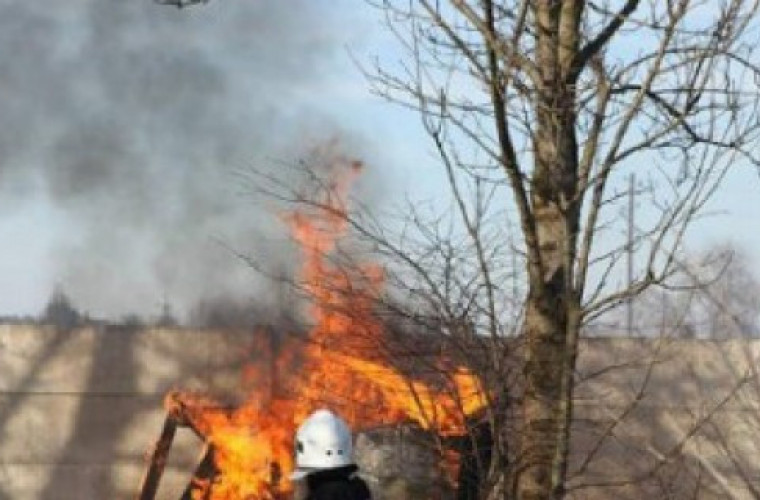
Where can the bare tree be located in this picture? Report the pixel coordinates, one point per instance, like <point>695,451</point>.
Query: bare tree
<point>728,299</point>
<point>60,312</point>
<point>540,107</point>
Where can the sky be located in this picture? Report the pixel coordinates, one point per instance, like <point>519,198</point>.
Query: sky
<point>124,126</point>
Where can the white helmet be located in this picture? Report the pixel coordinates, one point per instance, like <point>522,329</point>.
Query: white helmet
<point>322,442</point>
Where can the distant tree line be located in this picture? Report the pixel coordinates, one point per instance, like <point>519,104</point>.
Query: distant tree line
<point>61,312</point>
<point>219,312</point>
<point>716,295</point>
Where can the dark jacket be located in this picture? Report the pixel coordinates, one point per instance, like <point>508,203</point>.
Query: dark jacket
<point>337,484</point>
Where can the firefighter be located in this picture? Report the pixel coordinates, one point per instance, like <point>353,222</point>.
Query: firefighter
<point>325,468</point>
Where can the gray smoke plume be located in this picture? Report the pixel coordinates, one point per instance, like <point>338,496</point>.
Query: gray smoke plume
<point>130,119</point>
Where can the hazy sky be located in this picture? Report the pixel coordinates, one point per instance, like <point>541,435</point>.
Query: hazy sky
<point>123,123</point>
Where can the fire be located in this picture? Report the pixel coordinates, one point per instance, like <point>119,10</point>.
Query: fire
<point>340,367</point>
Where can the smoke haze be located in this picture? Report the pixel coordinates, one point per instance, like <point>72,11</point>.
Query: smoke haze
<point>121,126</point>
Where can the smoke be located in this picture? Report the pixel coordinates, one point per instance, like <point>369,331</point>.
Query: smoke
<point>130,119</point>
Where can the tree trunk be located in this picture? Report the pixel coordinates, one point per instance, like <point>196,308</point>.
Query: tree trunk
<point>551,319</point>
<point>547,404</point>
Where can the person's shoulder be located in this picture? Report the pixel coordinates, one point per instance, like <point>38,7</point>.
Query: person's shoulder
<point>334,490</point>
<point>355,489</point>
<point>360,489</point>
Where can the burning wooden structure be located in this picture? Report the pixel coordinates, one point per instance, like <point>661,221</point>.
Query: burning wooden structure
<point>188,411</point>
<point>341,364</point>
<point>177,415</point>
<point>401,458</point>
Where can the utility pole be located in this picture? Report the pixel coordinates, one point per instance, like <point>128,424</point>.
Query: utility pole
<point>629,249</point>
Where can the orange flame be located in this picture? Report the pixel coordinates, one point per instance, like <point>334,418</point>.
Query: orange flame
<point>342,369</point>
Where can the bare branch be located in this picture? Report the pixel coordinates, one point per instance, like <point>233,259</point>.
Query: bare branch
<point>593,47</point>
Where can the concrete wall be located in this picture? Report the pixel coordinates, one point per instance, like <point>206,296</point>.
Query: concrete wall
<point>667,419</point>
<point>80,409</point>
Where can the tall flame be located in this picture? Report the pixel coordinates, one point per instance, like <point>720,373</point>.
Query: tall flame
<point>341,368</point>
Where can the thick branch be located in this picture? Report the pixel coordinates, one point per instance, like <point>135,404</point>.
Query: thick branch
<point>593,47</point>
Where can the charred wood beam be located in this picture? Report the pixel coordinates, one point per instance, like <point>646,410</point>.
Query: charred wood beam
<point>181,413</point>
<point>158,460</point>
<point>199,487</point>
<point>178,414</point>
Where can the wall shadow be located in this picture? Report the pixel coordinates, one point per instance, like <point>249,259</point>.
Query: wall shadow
<point>18,394</point>
<point>108,404</point>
